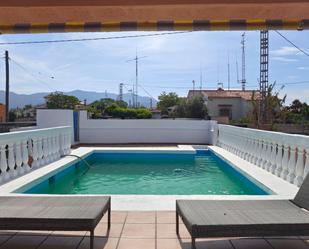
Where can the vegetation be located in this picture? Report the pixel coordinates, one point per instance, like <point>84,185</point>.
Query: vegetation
<point>177,107</point>
<point>58,100</point>
<point>296,113</point>
<point>116,109</point>
<point>277,112</point>
<point>274,106</point>
<point>168,100</point>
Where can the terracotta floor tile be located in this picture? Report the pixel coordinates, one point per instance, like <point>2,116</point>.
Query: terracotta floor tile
<point>69,233</point>
<point>117,217</point>
<point>250,243</point>
<point>99,243</point>
<point>141,217</point>
<point>101,230</point>
<point>173,244</point>
<point>60,242</point>
<point>166,217</point>
<point>136,244</point>
<point>287,244</point>
<point>8,232</point>
<point>23,242</point>
<point>168,231</point>
<point>145,231</point>
<point>32,233</point>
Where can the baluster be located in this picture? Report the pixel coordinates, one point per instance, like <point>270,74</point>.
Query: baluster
<point>247,154</point>
<point>279,160</point>
<point>285,162</point>
<point>45,150</point>
<point>255,152</point>
<point>260,151</point>
<point>241,147</point>
<point>68,145</point>
<point>299,169</point>
<point>267,155</point>
<point>50,148</point>
<point>11,160</point>
<point>291,164</point>
<point>34,153</point>
<point>54,147</point>
<point>306,170</point>
<point>273,156</point>
<point>263,154</point>
<point>25,157</point>
<point>3,163</point>
<point>18,160</point>
<point>57,146</point>
<point>41,160</point>
<point>250,150</point>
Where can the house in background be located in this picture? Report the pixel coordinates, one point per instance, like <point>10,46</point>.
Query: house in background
<point>2,113</point>
<point>224,105</point>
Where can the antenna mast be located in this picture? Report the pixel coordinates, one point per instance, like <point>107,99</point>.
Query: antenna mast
<point>120,97</point>
<point>243,66</point>
<point>136,79</point>
<point>228,73</point>
<point>264,66</point>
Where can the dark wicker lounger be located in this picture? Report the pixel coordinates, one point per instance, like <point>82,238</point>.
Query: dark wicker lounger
<point>56,213</point>
<point>245,218</point>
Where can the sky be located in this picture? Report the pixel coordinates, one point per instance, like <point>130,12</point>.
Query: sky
<point>171,62</point>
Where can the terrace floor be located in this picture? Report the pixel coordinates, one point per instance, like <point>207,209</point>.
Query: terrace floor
<point>139,230</point>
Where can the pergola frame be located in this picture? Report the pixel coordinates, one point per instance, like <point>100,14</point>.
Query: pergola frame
<point>39,16</point>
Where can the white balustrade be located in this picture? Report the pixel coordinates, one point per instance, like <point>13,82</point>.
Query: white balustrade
<point>23,151</point>
<point>284,155</point>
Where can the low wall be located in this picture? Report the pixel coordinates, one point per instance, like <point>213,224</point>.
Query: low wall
<point>47,118</point>
<point>114,131</point>
<point>284,155</point>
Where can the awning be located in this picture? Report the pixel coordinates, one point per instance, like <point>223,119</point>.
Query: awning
<point>22,16</point>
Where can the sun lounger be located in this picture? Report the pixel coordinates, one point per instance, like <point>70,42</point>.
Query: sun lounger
<point>56,213</point>
<point>244,218</point>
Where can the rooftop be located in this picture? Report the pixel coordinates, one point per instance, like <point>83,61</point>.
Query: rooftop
<point>221,93</point>
<point>139,230</point>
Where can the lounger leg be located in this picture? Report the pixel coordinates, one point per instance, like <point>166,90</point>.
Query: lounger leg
<point>109,217</point>
<point>91,239</point>
<point>177,223</point>
<point>193,243</point>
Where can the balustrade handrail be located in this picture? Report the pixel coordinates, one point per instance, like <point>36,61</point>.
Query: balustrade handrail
<point>282,154</point>
<point>23,151</point>
<point>35,132</point>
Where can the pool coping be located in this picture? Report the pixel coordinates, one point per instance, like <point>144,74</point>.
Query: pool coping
<point>281,188</point>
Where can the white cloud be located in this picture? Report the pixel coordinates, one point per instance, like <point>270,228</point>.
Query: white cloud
<point>283,59</point>
<point>303,68</point>
<point>286,51</point>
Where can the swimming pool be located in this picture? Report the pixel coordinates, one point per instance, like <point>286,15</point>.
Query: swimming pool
<point>126,173</point>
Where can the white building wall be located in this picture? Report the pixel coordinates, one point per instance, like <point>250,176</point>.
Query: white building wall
<point>47,118</point>
<point>109,131</point>
<point>239,107</point>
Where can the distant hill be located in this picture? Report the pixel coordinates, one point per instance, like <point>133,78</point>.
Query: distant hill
<point>20,100</point>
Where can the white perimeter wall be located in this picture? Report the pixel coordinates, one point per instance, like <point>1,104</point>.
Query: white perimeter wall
<point>109,131</point>
<point>47,118</point>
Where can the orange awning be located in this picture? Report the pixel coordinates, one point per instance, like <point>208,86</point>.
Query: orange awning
<point>19,16</point>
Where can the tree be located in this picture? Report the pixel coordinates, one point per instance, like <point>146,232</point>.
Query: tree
<point>167,100</point>
<point>274,106</point>
<point>59,100</point>
<point>195,107</point>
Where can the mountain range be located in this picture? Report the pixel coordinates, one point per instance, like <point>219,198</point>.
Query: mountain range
<point>20,100</point>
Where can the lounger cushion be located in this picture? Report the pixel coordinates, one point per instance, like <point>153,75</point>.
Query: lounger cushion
<point>211,218</point>
<point>52,212</point>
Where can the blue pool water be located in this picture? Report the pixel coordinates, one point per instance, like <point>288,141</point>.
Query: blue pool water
<point>149,174</point>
